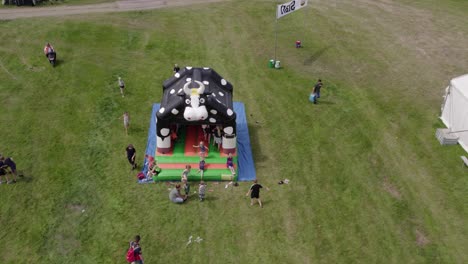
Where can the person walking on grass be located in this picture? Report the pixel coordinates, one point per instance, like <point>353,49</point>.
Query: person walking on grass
<point>131,155</point>
<point>254,192</point>
<point>126,121</point>
<point>121,86</point>
<point>134,251</point>
<point>201,191</point>
<point>316,90</point>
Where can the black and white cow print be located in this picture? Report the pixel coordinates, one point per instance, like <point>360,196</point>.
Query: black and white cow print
<point>196,96</point>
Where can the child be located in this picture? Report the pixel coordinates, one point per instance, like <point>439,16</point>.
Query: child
<point>203,149</point>
<point>201,191</point>
<point>126,121</point>
<point>186,188</point>
<point>122,86</point>
<point>186,172</point>
<point>153,171</point>
<point>217,137</point>
<point>230,164</point>
<point>201,167</point>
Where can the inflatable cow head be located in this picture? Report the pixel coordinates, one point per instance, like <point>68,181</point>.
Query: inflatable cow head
<point>195,109</point>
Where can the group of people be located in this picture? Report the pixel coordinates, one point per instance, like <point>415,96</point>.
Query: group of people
<point>7,166</point>
<point>176,195</point>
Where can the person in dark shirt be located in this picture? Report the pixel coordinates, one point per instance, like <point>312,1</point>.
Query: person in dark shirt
<point>131,155</point>
<point>176,68</point>
<point>316,90</point>
<point>137,250</point>
<point>254,192</point>
<point>3,172</point>
<point>7,163</point>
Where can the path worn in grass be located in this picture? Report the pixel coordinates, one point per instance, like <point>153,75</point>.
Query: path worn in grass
<point>118,6</point>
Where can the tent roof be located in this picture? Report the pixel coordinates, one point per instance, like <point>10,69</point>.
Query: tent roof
<point>461,84</point>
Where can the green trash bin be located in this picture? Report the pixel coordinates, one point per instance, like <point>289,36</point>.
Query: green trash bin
<point>271,64</point>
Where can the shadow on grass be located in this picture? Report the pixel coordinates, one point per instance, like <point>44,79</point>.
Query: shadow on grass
<point>325,102</point>
<point>315,56</point>
<point>254,142</point>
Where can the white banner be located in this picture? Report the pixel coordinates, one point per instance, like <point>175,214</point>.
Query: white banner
<point>289,7</point>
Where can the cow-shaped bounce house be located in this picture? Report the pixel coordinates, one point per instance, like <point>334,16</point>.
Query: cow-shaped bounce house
<point>196,96</point>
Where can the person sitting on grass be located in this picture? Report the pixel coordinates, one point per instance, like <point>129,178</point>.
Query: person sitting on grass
<point>153,171</point>
<point>175,195</point>
<point>203,149</point>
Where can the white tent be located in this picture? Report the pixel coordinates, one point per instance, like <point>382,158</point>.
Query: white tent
<point>455,109</point>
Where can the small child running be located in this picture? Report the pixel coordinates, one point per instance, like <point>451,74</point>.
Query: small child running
<point>201,167</point>
<point>186,172</point>
<point>201,191</point>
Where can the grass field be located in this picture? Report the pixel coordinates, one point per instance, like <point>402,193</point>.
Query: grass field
<point>369,181</point>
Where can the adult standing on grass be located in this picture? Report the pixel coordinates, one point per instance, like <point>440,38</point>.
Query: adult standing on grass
<point>121,86</point>
<point>254,192</point>
<point>175,196</point>
<point>131,155</point>
<point>126,121</point>
<point>134,251</point>
<point>316,90</point>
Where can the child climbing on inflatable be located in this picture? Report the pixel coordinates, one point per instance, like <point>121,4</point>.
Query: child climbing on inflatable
<point>203,149</point>
<point>186,172</point>
<point>201,167</point>
<point>230,164</point>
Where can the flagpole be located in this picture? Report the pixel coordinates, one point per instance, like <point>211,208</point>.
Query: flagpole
<point>276,28</point>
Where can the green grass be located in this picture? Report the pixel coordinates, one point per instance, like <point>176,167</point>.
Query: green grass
<point>368,178</point>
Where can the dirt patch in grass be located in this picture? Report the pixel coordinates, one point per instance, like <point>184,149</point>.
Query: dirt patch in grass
<point>78,208</point>
<point>391,189</point>
<point>421,238</point>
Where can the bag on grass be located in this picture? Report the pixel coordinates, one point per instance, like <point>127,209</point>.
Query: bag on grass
<point>312,97</point>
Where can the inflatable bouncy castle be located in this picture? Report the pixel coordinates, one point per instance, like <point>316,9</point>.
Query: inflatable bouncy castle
<point>196,97</point>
